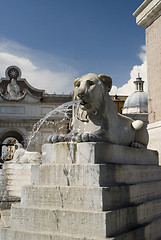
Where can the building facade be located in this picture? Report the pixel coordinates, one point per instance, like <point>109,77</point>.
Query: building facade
<point>25,113</point>
<point>148,15</point>
<point>22,112</point>
<point>119,102</point>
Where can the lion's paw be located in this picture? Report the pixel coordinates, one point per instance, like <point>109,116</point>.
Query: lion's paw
<point>83,137</point>
<point>76,137</point>
<point>50,139</point>
<point>86,137</point>
<point>137,145</point>
<point>56,138</point>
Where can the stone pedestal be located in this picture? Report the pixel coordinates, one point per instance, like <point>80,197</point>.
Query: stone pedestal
<point>87,191</point>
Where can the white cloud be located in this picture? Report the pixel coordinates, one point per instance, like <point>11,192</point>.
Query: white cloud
<point>51,75</point>
<point>129,87</point>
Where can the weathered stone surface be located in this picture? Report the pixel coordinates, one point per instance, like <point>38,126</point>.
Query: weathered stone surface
<point>148,15</point>
<point>152,231</point>
<point>87,223</point>
<point>16,175</point>
<point>111,153</point>
<point>96,224</point>
<point>93,174</point>
<point>5,218</point>
<point>90,198</point>
<point>11,234</point>
<point>87,153</point>
<point>153,51</point>
<point>6,197</point>
<point>154,130</point>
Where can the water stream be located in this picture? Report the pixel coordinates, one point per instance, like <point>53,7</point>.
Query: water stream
<point>64,109</point>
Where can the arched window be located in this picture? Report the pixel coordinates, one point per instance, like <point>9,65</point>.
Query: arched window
<point>7,144</point>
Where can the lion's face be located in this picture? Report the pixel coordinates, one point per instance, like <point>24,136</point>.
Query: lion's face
<point>89,90</point>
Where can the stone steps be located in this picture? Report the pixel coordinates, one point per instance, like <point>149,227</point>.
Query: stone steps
<point>79,193</point>
<point>93,174</point>
<point>85,223</point>
<point>89,223</point>
<point>87,198</point>
<point>150,231</point>
<point>11,234</point>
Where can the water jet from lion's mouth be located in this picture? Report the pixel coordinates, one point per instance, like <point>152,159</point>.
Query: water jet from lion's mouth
<point>62,109</point>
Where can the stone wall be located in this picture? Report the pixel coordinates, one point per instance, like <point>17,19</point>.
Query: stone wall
<point>148,15</point>
<point>153,45</point>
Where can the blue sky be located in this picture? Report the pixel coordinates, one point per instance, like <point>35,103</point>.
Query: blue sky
<point>55,41</point>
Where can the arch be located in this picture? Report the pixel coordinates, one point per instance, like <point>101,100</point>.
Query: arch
<point>10,133</point>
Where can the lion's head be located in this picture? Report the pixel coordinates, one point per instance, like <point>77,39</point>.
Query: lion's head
<point>91,89</point>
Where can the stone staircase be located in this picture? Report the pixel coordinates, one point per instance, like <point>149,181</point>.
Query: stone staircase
<point>90,191</point>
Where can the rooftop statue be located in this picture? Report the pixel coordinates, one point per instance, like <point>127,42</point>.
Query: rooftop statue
<point>97,119</point>
<point>13,89</point>
<point>13,92</point>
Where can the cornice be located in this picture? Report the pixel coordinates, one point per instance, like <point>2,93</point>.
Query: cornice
<point>148,12</point>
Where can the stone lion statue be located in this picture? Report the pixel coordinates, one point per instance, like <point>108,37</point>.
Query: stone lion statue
<point>23,156</point>
<point>97,119</point>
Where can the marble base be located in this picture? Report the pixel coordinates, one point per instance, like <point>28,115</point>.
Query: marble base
<point>92,152</point>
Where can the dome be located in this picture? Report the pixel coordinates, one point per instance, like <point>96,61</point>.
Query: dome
<point>136,99</point>
<point>137,102</point>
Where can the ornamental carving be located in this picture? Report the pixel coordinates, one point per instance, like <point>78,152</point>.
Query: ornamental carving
<point>13,92</point>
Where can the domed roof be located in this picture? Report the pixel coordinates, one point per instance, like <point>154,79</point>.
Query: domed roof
<point>137,102</point>
<point>136,99</point>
